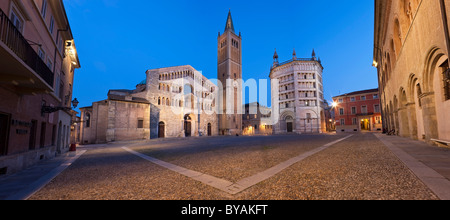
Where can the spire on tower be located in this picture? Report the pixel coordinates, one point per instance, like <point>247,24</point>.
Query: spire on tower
<point>275,55</point>
<point>313,54</point>
<point>275,58</point>
<point>229,25</point>
<point>294,55</point>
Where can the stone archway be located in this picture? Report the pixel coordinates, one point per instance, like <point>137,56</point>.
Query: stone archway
<point>287,122</point>
<point>427,98</point>
<point>411,107</point>
<point>404,129</point>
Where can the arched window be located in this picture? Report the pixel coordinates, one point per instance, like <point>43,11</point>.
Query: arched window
<point>159,100</point>
<point>88,120</point>
<point>397,37</point>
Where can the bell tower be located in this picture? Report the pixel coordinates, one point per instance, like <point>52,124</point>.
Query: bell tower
<point>229,74</point>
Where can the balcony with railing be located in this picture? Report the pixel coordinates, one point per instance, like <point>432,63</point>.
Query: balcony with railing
<point>20,65</point>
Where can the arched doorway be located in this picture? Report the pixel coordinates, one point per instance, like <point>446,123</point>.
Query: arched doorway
<point>187,126</point>
<point>432,87</point>
<point>209,129</point>
<point>161,130</point>
<point>289,124</point>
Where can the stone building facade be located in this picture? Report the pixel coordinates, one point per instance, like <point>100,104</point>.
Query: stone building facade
<point>297,95</point>
<point>38,59</point>
<point>121,117</point>
<point>172,102</point>
<point>182,103</point>
<point>411,48</point>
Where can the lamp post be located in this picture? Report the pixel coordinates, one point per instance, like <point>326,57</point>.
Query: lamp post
<point>50,109</point>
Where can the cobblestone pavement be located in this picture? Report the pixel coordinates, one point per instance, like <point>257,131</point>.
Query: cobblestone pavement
<point>359,167</point>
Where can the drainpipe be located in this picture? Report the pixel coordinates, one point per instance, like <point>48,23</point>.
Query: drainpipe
<point>445,22</point>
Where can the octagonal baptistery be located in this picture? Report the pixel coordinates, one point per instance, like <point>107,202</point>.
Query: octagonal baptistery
<point>297,95</point>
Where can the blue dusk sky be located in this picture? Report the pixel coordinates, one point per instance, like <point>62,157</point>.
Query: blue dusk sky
<point>118,40</point>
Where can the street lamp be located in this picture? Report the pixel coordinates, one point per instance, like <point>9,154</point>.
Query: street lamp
<point>334,104</point>
<point>50,109</point>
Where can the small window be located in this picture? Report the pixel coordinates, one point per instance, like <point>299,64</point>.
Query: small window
<point>140,123</point>
<point>88,120</point>
<point>353,110</point>
<point>363,97</point>
<point>17,20</point>
<point>41,53</point>
<point>375,96</point>
<point>376,108</point>
<point>44,8</point>
<point>341,111</point>
<point>364,109</point>
<point>52,24</point>
<point>49,63</point>
<point>352,99</point>
<point>342,121</point>
<point>341,100</point>
<point>354,121</point>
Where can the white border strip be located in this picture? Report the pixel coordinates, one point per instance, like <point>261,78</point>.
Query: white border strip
<point>227,186</point>
<point>44,180</point>
<point>432,179</point>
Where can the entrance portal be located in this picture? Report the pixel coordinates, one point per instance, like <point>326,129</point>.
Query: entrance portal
<point>161,130</point>
<point>290,127</point>
<point>187,126</point>
<point>209,129</point>
<point>365,125</point>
